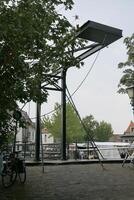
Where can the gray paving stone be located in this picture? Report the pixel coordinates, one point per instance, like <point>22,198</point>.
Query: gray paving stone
<point>74,182</point>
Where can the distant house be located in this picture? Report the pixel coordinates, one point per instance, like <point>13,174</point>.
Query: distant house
<point>128,135</point>
<point>47,138</point>
<point>115,138</point>
<point>25,135</point>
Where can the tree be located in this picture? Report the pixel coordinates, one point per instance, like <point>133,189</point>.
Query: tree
<point>90,124</point>
<point>6,136</point>
<point>75,131</point>
<point>74,128</point>
<point>33,42</point>
<point>128,66</point>
<point>97,131</point>
<point>53,122</point>
<point>103,131</point>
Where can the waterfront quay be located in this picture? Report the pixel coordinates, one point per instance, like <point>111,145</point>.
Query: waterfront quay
<point>74,182</point>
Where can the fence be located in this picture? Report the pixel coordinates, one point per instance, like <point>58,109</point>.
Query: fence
<point>74,151</point>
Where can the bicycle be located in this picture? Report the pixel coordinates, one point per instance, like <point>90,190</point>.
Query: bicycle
<point>13,166</point>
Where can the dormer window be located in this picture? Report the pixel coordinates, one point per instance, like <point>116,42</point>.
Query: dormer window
<point>132,129</point>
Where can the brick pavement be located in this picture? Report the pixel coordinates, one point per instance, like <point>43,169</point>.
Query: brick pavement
<point>74,182</point>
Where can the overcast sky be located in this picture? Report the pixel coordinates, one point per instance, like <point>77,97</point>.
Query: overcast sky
<point>98,94</point>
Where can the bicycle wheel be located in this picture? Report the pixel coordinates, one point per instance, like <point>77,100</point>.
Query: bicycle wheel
<point>22,174</point>
<point>8,177</point>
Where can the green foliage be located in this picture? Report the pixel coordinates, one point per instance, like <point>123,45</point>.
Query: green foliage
<point>74,129</point>
<point>53,124</point>
<point>75,132</point>
<point>33,42</point>
<point>128,66</point>
<point>103,131</point>
<point>98,131</point>
<point>90,124</point>
<point>6,136</point>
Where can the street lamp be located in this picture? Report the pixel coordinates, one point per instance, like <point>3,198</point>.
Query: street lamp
<point>130,92</point>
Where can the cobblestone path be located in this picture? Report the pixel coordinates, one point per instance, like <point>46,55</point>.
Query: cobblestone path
<point>74,182</point>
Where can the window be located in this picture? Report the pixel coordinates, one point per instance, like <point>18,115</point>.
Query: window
<point>132,129</point>
<point>32,135</point>
<point>45,138</point>
<point>18,148</point>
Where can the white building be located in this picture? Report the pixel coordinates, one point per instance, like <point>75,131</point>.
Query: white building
<point>47,138</point>
<point>27,134</point>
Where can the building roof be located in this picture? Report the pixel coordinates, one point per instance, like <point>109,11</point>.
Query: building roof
<point>45,131</point>
<point>26,118</point>
<point>129,129</point>
<point>115,138</point>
